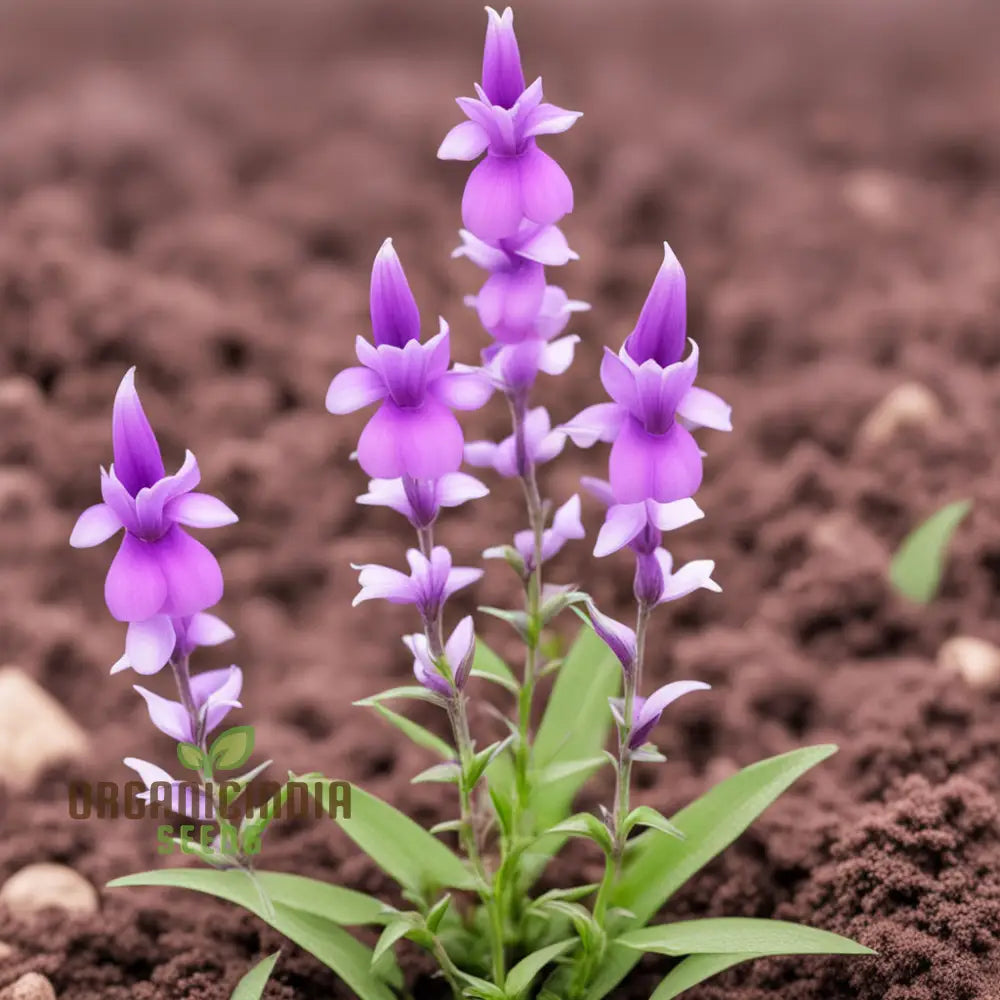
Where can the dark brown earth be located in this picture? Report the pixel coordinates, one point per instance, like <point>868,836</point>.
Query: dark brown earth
<point>200,193</point>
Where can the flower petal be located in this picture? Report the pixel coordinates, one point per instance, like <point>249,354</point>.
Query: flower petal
<point>503,78</point>
<point>600,489</point>
<point>138,462</point>
<point>168,716</point>
<point>549,119</point>
<point>601,422</point>
<point>395,317</point>
<point>191,572</point>
<point>353,389</point>
<point>199,510</point>
<point>459,577</point>
<point>424,442</point>
<point>651,708</point>
<point>463,390</point>
<point>466,141</point>
<point>460,649</point>
<point>381,582</point>
<point>459,487</point>
<point>95,525</point>
<point>690,577</point>
<point>546,193</point>
<point>149,644</point>
<point>216,692</point>
<point>546,245</point>
<point>205,629</point>
<point>491,202</point>
<point>659,333</point>
<point>623,522</point>
<point>701,408</point>
<point>673,515</point>
<point>135,588</point>
<point>619,638</point>
<point>661,467</point>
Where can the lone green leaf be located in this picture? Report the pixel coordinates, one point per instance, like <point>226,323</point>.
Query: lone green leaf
<point>253,984</point>
<point>918,564</point>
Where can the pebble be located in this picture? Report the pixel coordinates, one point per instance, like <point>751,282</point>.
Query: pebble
<point>874,195</point>
<point>908,405</point>
<point>35,730</point>
<point>44,885</point>
<point>5,951</point>
<point>975,660</point>
<point>33,986</point>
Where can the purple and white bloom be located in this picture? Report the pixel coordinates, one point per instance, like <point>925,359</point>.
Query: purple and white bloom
<point>646,712</point>
<point>182,797</point>
<point>420,500</point>
<point>160,570</point>
<point>655,403</point>
<point>619,638</point>
<point>639,525</point>
<point>566,525</point>
<point>459,652</point>
<point>214,693</point>
<point>657,583</point>
<point>516,180</point>
<point>430,583</point>
<point>151,644</point>
<point>541,444</point>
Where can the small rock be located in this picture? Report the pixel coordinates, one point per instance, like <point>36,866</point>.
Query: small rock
<point>908,405</point>
<point>975,660</point>
<point>44,885</point>
<point>33,986</point>
<point>35,730</point>
<point>874,195</point>
<point>6,951</point>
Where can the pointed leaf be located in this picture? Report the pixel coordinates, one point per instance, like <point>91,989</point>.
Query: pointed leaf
<point>232,749</point>
<point>488,662</point>
<point>447,773</point>
<point>647,816</point>
<point>522,975</point>
<point>693,970</point>
<point>724,935</point>
<point>422,737</point>
<point>400,847</point>
<point>571,768</point>
<point>392,933</point>
<point>331,944</point>
<point>411,692</point>
<point>916,568</point>
<point>253,984</point>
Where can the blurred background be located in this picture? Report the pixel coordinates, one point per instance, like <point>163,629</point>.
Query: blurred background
<point>199,190</point>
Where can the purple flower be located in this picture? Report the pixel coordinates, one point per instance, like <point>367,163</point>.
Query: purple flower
<point>541,444</point>
<point>413,432</point>
<point>214,692</point>
<point>516,180</point>
<point>566,525</point>
<point>459,652</point>
<point>150,645</point>
<point>182,797</point>
<point>656,582</point>
<point>420,500</point>
<point>160,570</point>
<point>619,638</point>
<point>639,525</point>
<point>430,583</point>
<point>654,456</point>
<point>646,712</point>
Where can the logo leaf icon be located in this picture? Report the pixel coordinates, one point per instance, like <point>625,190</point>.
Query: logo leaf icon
<point>233,748</point>
<point>190,756</point>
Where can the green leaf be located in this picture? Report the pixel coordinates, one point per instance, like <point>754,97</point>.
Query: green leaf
<point>917,566</point>
<point>522,975</point>
<point>483,759</point>
<point>400,847</point>
<point>724,935</point>
<point>512,686</point>
<point>656,867</point>
<point>411,692</point>
<point>422,737</point>
<point>647,816</point>
<point>518,620</point>
<point>392,933</point>
<point>436,913</point>
<point>253,984</point>
<point>584,825</point>
<point>330,943</point>
<point>190,756</point>
<point>693,970</point>
<point>575,727</point>
<point>232,749</point>
<point>447,773</point>
<point>486,662</point>
<point>571,895</point>
<point>571,768</point>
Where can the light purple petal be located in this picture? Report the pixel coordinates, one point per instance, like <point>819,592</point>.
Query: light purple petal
<point>200,510</point>
<point>460,649</point>
<point>382,582</point>
<point>673,515</point>
<point>566,521</point>
<point>600,489</point>
<point>119,500</point>
<point>463,390</point>
<point>547,245</point>
<point>423,666</point>
<point>618,377</point>
<point>549,119</point>
<point>184,797</point>
<point>353,389</point>
<point>465,141</point>
<point>701,408</point>
<point>394,313</point>
<point>491,202</point>
<point>619,638</point>
<point>546,193</point>
<point>482,254</point>
<point>95,525</point>
<point>648,710</point>
<point>137,455</point>
<point>457,488</point>
<point>690,577</point>
<point>503,79</point>
<point>661,467</point>
<point>149,774</point>
<point>423,442</point>
<point>191,572</point>
<point>205,629</point>
<point>481,454</point>
<point>216,692</point>
<point>623,523</point>
<point>459,577</point>
<point>387,493</point>
<point>513,297</point>
<point>150,644</point>
<point>659,333</point>
<point>601,422</point>
<point>135,588</point>
<point>558,356</point>
<point>120,664</point>
<point>168,716</point>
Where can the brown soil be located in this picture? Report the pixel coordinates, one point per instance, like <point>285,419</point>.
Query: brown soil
<point>200,192</point>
